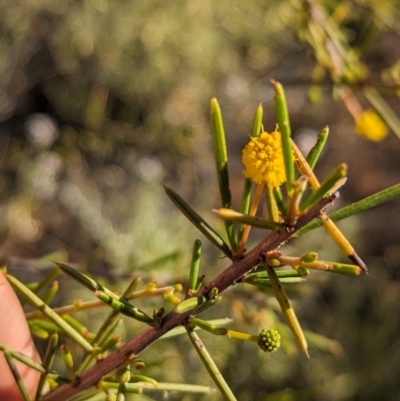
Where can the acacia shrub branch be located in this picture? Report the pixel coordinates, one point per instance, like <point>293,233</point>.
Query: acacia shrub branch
<point>173,319</point>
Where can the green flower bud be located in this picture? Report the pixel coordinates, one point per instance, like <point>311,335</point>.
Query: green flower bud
<point>138,364</point>
<point>269,340</point>
<point>123,374</point>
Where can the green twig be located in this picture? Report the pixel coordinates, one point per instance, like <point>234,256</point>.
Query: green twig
<point>210,366</point>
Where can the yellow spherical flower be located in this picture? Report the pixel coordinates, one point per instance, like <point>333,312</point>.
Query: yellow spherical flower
<point>371,126</point>
<point>263,160</point>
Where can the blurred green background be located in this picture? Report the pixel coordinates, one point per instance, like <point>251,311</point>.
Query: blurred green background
<point>102,101</point>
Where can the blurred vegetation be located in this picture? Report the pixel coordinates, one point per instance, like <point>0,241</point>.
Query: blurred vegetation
<point>101,101</point>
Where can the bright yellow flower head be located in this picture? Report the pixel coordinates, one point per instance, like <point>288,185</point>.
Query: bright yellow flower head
<point>371,126</point>
<point>263,160</point>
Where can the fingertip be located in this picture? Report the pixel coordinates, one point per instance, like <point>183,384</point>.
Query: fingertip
<point>15,333</point>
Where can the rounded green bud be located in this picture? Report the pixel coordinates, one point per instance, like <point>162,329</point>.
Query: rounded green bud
<point>138,364</point>
<point>212,293</point>
<point>274,262</point>
<point>123,374</point>
<point>269,340</point>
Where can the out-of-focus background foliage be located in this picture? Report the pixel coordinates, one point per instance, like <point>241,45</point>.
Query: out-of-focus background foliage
<point>102,101</point>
